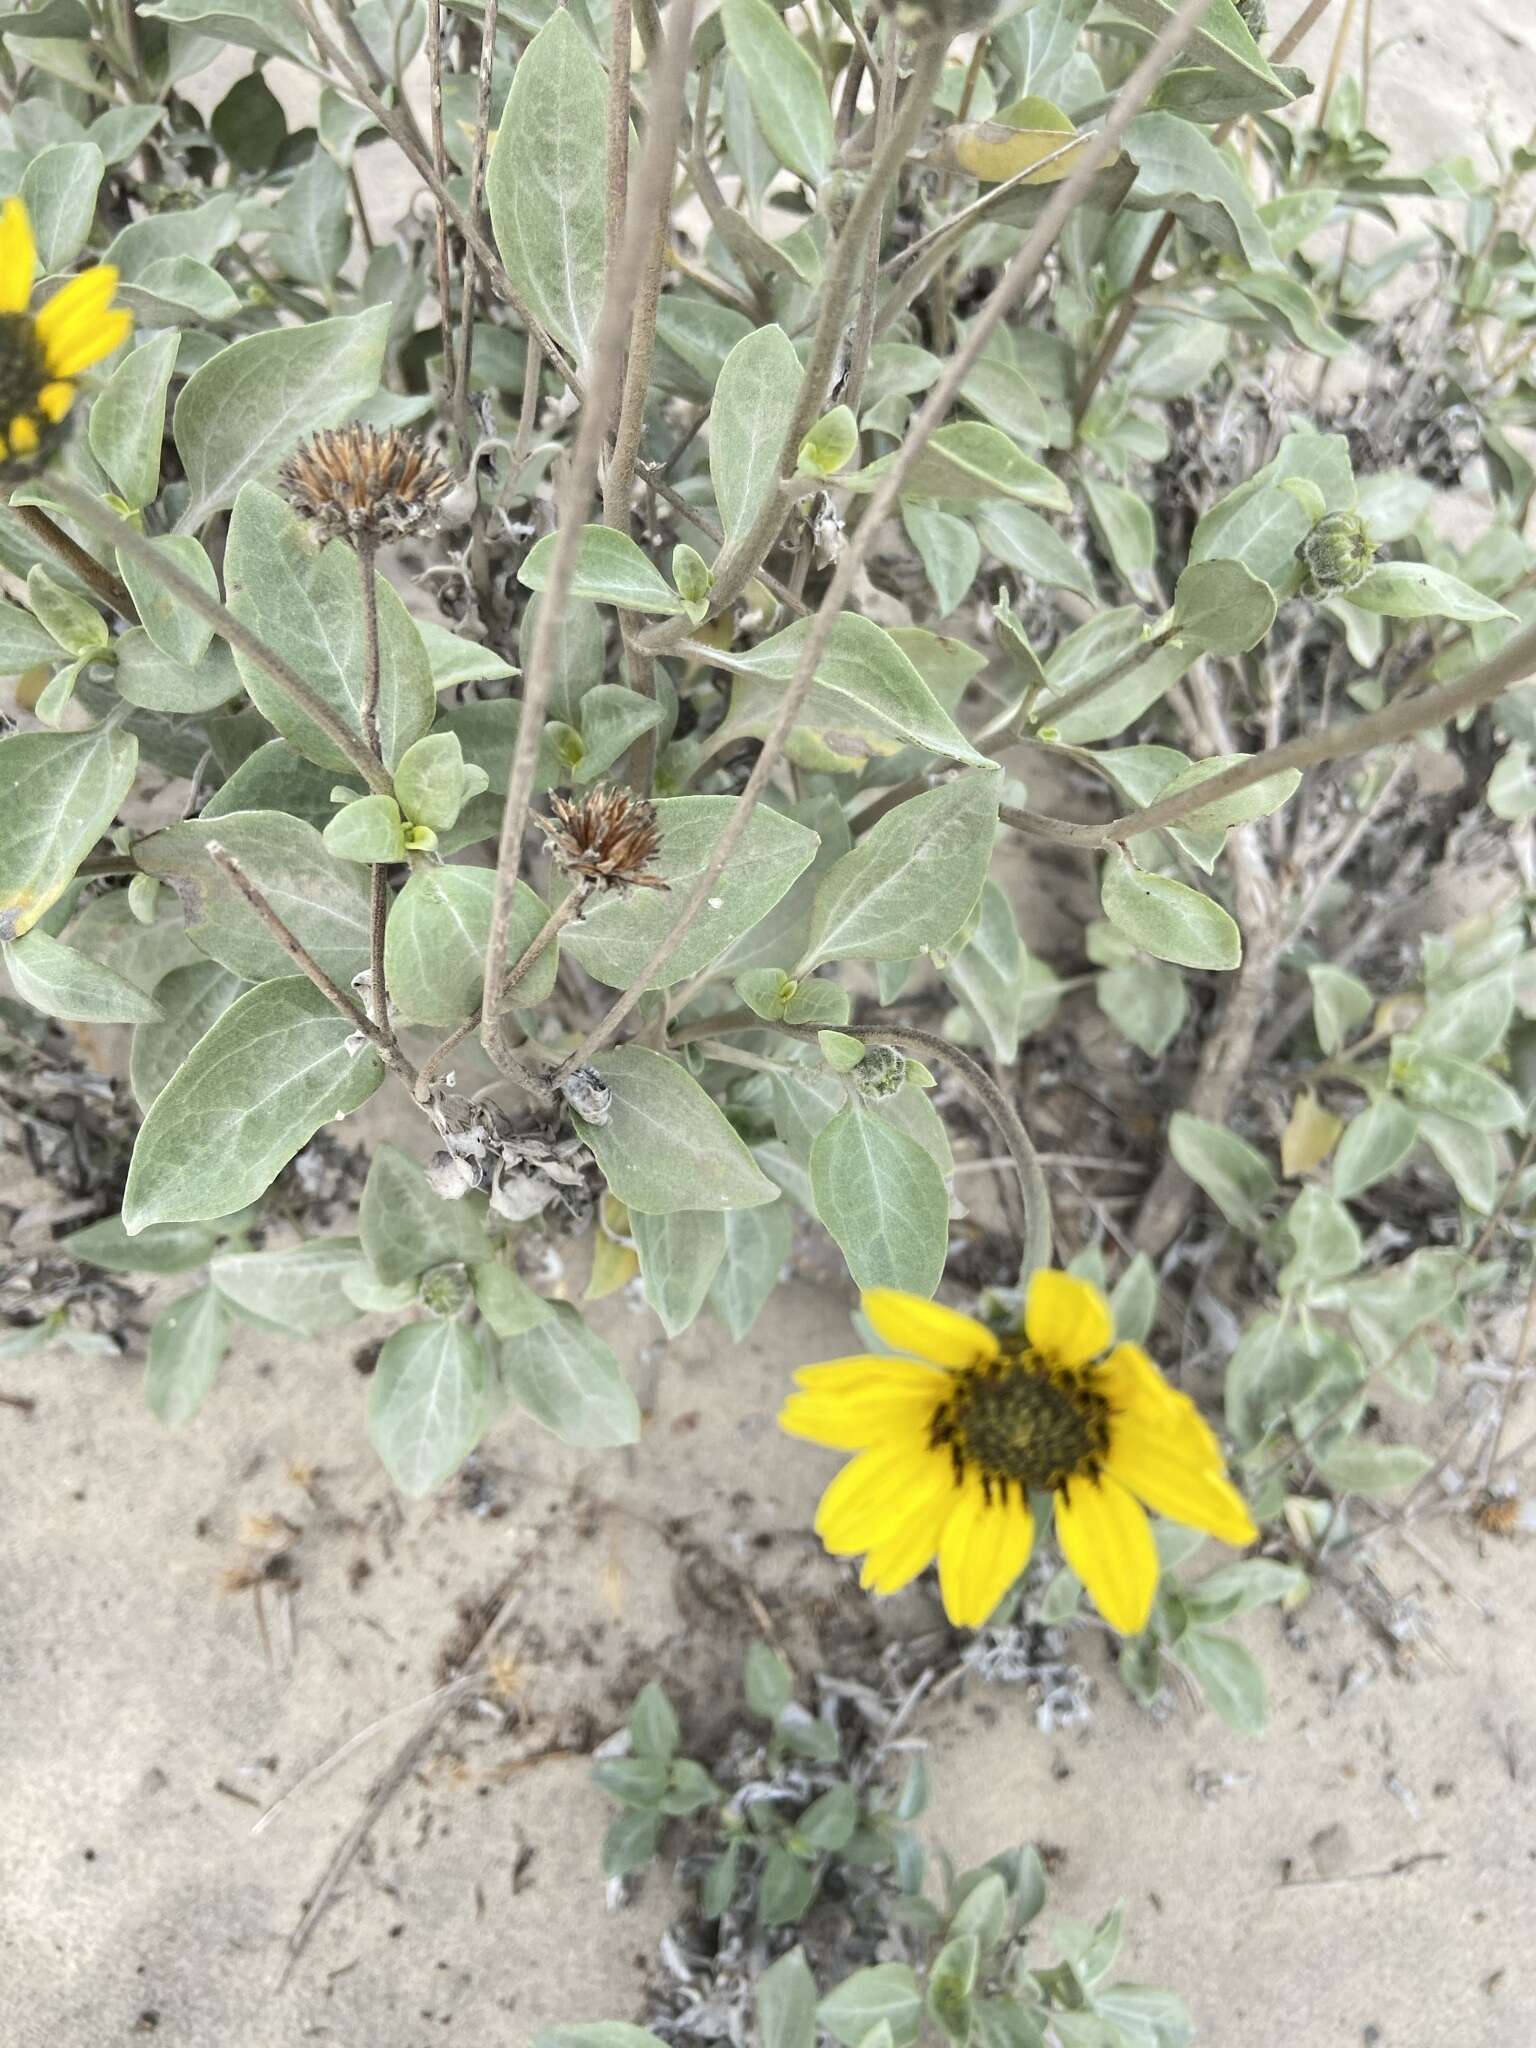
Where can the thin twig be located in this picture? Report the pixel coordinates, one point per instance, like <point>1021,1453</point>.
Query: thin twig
<point>83,507</point>
<point>440,167</point>
<point>109,588</point>
<point>367,550</point>
<point>471,264</point>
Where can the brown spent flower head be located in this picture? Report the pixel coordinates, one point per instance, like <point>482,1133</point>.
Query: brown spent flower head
<point>357,484</point>
<point>604,839</point>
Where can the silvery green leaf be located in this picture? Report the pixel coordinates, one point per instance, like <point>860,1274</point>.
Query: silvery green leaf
<point>1468,1155</point>
<point>1179,358</point>
<point>507,1302</point>
<point>545,181</point>
<point>1124,525</point>
<point>1251,1582</point>
<point>951,1982</point>
<point>1236,1177</point>
<point>970,463</point>
<point>749,422</point>
<point>271,1071</point>
<point>163,1248</point>
<point>786,1886</point>
<point>121,131</point>
<point>197,231</point>
<point>665,1145</point>
<point>241,413</point>
<point>1375,1144</point>
<point>1222,607</point>
<point>58,793</point>
<point>912,881</point>
<point>1453,1087</point>
<point>610,569</point>
<point>694,335</point>
<point>1325,1244</point>
<point>407,1228</point>
<point>148,677</point>
<point>1261,524</point>
<point>1007,400</point>
<point>108,930</point>
<point>323,901</point>
<point>1025,541</point>
<point>784,84</point>
<point>434,944</point>
<point>1134,1301</point>
<point>1263,1376</point>
<point>24,641</point>
<point>621,929</point>
<point>453,659</point>
<point>885,1993</point>
<point>186,1344</point>
<point>1168,919</point>
<point>1415,590</point>
<point>1370,1467</point>
<point>653,1729</point>
<point>767,1681</point>
<point>680,1254</point>
<point>1340,1005</point>
<point>60,982</point>
<point>1243,805</point>
<point>949,551</point>
<point>1511,791</point>
<point>312,225</point>
<point>1094,650</point>
<point>369,831</point>
<point>1180,168</point>
<point>273,778</point>
<point>298,1289</point>
<point>785,1994</point>
<point>76,625</point>
<point>868,698</point>
<point>612,719</point>
<point>174,627</point>
<point>1146,1000</point>
<point>1221,39</point>
<point>987,973</point>
<point>597,2034</point>
<point>568,1379</point>
<point>757,1243</point>
<point>179,291</point>
<point>1232,1684</point>
<point>306,602</point>
<point>1469,1021</point>
<point>428,1403</point>
<point>265,25</point>
<point>58,189</point>
<point>883,1199</point>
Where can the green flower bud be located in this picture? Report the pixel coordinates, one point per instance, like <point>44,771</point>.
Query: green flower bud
<point>881,1072</point>
<point>445,1290</point>
<point>1338,552</point>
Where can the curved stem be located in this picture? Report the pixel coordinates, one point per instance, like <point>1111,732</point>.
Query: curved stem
<point>1038,1233</point>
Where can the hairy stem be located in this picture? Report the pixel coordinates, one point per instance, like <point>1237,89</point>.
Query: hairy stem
<point>476,195</point>
<point>127,540</point>
<point>109,588</point>
<point>367,571</point>
<point>440,168</point>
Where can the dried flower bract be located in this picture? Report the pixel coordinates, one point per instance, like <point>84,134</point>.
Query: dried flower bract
<point>358,484</point>
<point>605,839</point>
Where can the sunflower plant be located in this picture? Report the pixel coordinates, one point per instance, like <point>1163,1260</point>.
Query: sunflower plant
<point>819,616</point>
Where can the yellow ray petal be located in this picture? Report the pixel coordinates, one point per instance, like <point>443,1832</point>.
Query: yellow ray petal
<point>926,1329</point>
<point>898,1560</point>
<point>23,435</point>
<point>1183,1492</point>
<point>89,344</point>
<point>1107,1540</point>
<point>90,292</point>
<point>981,1552</point>
<point>869,1369</point>
<point>1066,1319</point>
<point>18,257</point>
<point>54,400</point>
<point>1137,1392</point>
<point>875,1493</point>
<point>862,1417</point>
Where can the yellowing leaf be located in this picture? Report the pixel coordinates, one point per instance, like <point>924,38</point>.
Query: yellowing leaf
<point>1309,1137</point>
<point>1031,131</point>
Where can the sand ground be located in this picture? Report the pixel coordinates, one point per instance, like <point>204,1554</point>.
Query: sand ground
<point>1364,1875</point>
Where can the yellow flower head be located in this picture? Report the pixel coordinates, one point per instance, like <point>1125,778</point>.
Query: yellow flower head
<point>950,1449</point>
<point>41,354</point>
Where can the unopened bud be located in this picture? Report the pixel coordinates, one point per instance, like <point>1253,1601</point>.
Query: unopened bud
<point>1338,552</point>
<point>882,1072</point>
<point>445,1290</point>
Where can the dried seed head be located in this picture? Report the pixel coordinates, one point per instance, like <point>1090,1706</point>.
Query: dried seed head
<point>604,839</point>
<point>358,484</point>
<point>588,1094</point>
